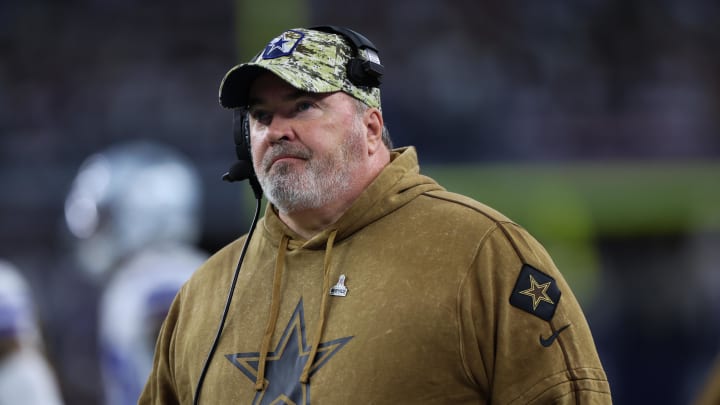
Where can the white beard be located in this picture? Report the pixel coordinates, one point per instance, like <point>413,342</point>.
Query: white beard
<point>322,179</point>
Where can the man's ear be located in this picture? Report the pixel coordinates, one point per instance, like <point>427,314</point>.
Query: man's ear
<point>373,121</point>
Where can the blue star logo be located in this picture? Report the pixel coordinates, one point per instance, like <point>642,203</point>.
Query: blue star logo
<point>284,45</point>
<point>277,44</point>
<point>285,364</point>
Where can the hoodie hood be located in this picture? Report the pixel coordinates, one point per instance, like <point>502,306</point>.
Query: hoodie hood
<point>398,184</point>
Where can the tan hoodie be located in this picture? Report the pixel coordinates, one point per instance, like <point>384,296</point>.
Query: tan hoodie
<point>447,302</point>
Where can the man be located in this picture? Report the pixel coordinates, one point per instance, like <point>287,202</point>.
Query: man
<point>366,282</point>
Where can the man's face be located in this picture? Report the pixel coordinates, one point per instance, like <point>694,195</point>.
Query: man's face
<point>305,146</point>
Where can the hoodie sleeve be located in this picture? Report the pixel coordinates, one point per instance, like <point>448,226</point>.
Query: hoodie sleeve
<point>524,336</point>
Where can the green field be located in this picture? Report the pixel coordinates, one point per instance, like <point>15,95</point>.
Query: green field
<point>568,207</point>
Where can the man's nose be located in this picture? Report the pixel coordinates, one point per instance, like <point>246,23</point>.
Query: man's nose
<point>279,129</point>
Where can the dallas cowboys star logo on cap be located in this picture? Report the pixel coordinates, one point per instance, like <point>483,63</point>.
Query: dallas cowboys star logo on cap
<point>283,45</point>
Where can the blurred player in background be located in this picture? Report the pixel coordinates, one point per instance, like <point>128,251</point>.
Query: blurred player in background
<point>134,209</point>
<point>25,375</point>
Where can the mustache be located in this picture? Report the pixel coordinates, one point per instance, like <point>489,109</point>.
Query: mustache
<point>284,150</point>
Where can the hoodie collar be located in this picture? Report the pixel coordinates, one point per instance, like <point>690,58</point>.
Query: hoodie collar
<point>396,185</point>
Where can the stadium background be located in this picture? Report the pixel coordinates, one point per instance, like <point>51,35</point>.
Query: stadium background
<point>594,124</point>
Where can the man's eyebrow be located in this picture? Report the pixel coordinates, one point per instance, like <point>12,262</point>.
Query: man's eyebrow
<point>294,95</point>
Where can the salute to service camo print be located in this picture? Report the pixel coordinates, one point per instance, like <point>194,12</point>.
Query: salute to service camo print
<point>309,60</point>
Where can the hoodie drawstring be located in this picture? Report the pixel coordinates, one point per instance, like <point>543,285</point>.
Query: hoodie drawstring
<point>274,312</point>
<point>305,376</point>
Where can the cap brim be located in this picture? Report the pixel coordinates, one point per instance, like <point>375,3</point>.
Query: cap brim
<point>236,84</point>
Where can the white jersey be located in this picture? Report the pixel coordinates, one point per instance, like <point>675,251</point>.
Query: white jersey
<point>26,378</point>
<point>132,307</point>
<point>25,375</point>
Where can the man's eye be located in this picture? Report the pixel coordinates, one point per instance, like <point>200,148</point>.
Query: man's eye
<point>304,105</point>
<point>260,116</point>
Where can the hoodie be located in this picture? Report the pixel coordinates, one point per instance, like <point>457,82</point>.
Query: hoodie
<point>415,296</point>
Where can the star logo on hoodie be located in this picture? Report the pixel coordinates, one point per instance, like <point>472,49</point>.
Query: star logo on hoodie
<point>285,364</point>
<point>535,292</point>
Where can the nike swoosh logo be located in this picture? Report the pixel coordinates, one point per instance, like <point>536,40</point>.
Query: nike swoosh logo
<point>549,341</point>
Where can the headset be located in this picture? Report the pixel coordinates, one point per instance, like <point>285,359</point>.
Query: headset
<point>363,70</point>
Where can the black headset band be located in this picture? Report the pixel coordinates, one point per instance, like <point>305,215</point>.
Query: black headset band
<point>364,69</point>
<point>357,40</point>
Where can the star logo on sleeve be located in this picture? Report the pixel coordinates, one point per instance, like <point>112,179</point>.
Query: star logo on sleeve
<point>285,364</point>
<point>535,292</point>
<point>538,292</point>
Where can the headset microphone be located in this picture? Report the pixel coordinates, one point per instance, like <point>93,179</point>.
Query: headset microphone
<point>243,170</point>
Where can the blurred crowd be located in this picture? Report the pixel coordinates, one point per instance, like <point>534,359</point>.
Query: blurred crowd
<point>107,108</point>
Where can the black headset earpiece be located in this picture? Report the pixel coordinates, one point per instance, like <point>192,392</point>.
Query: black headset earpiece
<point>241,134</point>
<point>243,168</point>
<point>363,70</point>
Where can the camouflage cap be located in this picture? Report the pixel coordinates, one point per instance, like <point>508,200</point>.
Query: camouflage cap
<point>309,60</point>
